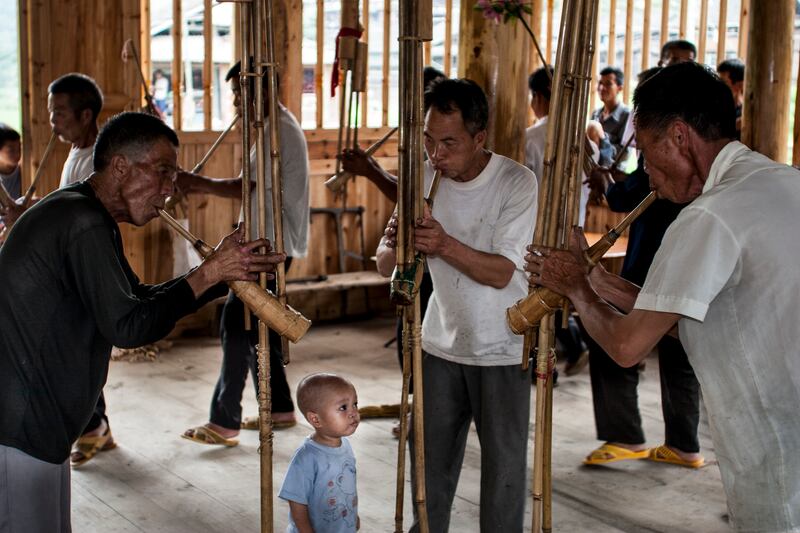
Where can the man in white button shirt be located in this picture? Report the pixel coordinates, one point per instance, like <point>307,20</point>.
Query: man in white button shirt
<point>725,276</point>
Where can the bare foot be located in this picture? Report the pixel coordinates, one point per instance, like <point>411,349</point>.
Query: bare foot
<point>225,432</point>
<point>686,456</point>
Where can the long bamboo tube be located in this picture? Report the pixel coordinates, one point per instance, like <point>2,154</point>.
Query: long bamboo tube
<point>612,33</point>
<point>262,22</point>
<point>648,9</point>
<point>337,181</point>
<point>415,19</point>
<point>703,37</point>
<point>664,34</point>
<point>526,313</point>
<point>722,30</point>
<point>26,201</point>
<point>628,57</point>
<point>202,163</point>
<point>684,16</point>
<point>283,319</point>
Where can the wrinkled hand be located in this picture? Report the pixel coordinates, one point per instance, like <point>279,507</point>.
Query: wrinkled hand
<point>12,212</point>
<point>561,271</point>
<point>390,233</point>
<point>429,236</point>
<point>233,259</point>
<point>358,162</point>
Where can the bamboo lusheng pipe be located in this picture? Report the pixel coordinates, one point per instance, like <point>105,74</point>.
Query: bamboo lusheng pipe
<point>150,107</point>
<point>26,201</point>
<point>405,283</point>
<point>527,312</point>
<point>337,181</point>
<point>281,318</point>
<point>415,17</point>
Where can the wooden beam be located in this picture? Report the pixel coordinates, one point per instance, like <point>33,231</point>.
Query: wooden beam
<point>612,33</point>
<point>595,67</point>
<point>684,15</point>
<point>744,16</point>
<point>448,36</point>
<point>26,79</point>
<point>628,57</point>
<point>648,8</point>
<point>765,122</point>
<point>177,64</point>
<point>289,16</point>
<point>365,37</point>
<point>664,23</point>
<point>548,54</point>
<point>320,59</point>
<point>208,73</point>
<point>722,30</point>
<point>701,41</point>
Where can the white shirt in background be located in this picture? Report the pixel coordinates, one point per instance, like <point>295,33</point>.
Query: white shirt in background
<point>729,265</point>
<point>77,167</point>
<point>294,171</point>
<point>495,213</point>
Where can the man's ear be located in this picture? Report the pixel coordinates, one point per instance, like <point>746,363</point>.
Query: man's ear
<point>86,116</point>
<point>480,138</point>
<point>120,166</point>
<point>679,133</point>
<point>313,419</point>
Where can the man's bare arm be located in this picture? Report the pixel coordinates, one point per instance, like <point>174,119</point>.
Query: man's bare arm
<point>189,183</point>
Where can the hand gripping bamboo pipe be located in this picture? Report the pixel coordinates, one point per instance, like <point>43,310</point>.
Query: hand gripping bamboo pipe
<point>26,201</point>
<point>564,157</point>
<point>526,313</point>
<point>415,18</point>
<point>336,182</point>
<point>282,318</point>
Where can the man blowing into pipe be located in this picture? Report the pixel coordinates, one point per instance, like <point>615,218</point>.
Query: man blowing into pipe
<point>67,294</point>
<point>725,277</point>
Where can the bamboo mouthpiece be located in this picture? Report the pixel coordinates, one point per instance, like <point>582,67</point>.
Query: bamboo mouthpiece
<point>540,302</point>
<point>281,318</point>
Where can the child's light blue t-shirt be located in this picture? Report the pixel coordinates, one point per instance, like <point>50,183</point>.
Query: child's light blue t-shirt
<point>324,479</point>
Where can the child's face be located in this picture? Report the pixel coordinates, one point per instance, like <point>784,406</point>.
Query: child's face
<point>338,417</point>
<point>10,154</point>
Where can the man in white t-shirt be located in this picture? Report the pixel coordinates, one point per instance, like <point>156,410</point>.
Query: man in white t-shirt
<point>725,275</point>
<point>74,102</point>
<point>238,345</point>
<point>484,210</point>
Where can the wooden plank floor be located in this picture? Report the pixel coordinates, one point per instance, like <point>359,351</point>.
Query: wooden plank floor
<point>157,482</point>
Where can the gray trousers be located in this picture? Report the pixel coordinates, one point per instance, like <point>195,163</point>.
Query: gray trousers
<point>498,399</point>
<point>34,494</point>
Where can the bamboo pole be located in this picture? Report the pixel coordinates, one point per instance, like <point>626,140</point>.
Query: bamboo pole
<point>177,65</point>
<point>744,27</point>
<point>387,18</point>
<point>26,201</point>
<point>684,15</point>
<point>207,64</point>
<point>362,103</point>
<point>664,23</point>
<point>320,59</point>
<point>722,30</point>
<point>796,128</point>
<point>628,61</point>
<point>648,8</point>
<point>612,33</point>
<point>703,37</point>
<point>448,37</point>
<point>549,44</point>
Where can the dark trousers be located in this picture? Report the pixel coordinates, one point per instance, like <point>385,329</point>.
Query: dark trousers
<point>497,398</point>
<point>616,410</point>
<point>98,415</point>
<point>239,357</point>
<point>425,292</point>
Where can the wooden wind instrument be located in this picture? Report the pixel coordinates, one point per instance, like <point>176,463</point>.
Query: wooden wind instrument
<point>347,50</point>
<point>26,201</point>
<point>263,303</point>
<point>415,18</point>
<point>150,106</point>
<point>559,201</point>
<point>336,182</point>
<point>526,313</point>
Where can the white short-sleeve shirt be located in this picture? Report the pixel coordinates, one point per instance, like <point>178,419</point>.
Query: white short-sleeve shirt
<point>729,265</point>
<point>77,167</point>
<point>294,172</point>
<point>494,213</point>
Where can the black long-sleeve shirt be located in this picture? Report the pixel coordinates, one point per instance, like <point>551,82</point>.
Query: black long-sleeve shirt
<point>648,230</point>
<point>67,294</point>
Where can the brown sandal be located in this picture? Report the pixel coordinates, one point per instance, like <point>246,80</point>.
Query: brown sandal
<point>86,447</point>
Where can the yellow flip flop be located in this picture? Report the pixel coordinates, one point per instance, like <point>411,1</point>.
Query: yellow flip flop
<point>664,454</point>
<point>206,435</point>
<point>608,453</point>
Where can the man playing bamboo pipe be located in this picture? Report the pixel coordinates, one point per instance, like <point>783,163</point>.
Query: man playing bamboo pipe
<point>725,276</point>
<point>238,345</point>
<point>484,208</point>
<point>67,294</point>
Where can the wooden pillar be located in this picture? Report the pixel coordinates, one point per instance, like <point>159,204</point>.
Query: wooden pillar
<point>765,123</point>
<point>495,56</point>
<point>288,17</point>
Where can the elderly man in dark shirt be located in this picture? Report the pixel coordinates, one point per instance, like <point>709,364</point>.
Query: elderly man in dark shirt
<point>67,294</point>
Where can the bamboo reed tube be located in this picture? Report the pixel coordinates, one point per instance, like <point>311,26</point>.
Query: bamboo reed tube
<point>664,34</point>
<point>5,198</point>
<point>283,319</point>
<point>722,30</point>
<point>648,8</point>
<point>336,182</point>
<point>628,57</point>
<point>202,163</point>
<point>540,302</point>
<point>684,15</point>
<point>26,201</point>
<point>612,33</point>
